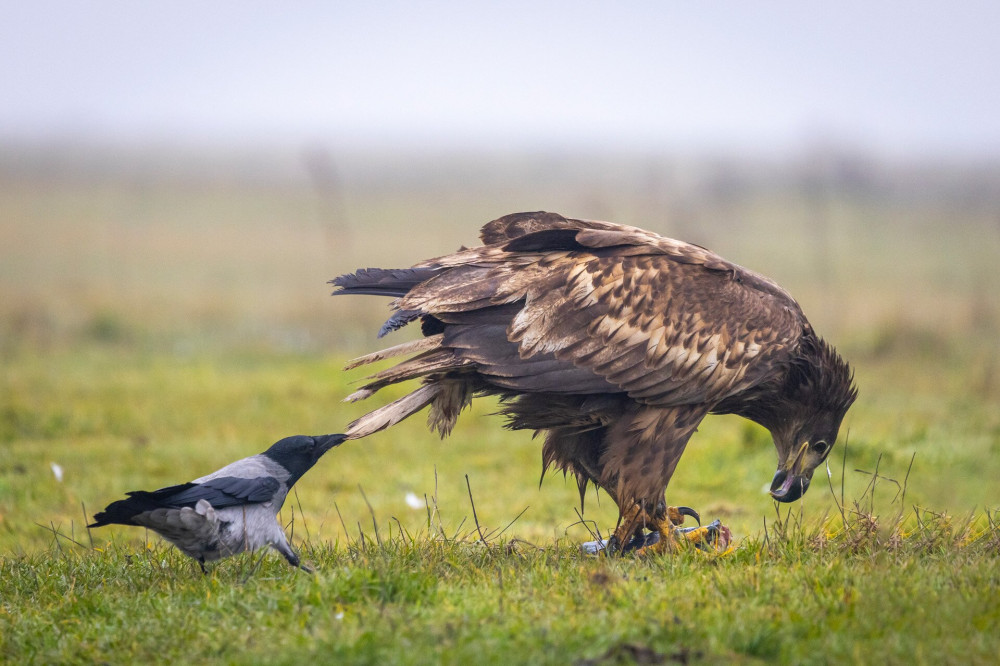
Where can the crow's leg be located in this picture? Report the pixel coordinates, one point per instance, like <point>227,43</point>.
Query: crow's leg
<point>291,556</point>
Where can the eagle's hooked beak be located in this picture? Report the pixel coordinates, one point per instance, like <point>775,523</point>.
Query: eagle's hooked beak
<point>789,484</point>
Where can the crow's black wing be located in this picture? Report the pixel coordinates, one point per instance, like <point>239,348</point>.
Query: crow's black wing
<point>220,492</point>
<point>224,491</point>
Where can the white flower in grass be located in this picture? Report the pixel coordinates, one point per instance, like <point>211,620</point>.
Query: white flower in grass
<point>413,501</point>
<point>57,471</point>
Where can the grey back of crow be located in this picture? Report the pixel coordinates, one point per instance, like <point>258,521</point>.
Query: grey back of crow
<point>231,510</point>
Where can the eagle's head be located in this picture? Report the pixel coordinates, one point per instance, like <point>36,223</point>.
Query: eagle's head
<point>817,393</point>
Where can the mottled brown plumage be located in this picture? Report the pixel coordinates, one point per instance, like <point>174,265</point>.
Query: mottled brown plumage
<point>613,341</point>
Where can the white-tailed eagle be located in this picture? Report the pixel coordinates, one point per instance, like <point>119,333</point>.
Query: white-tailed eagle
<point>614,342</point>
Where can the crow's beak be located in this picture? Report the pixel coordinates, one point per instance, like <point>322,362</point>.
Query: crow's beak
<point>327,442</point>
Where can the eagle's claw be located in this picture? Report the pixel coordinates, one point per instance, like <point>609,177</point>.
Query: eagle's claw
<point>714,537</point>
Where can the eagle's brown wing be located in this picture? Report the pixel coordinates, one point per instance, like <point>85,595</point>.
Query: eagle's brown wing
<point>599,308</point>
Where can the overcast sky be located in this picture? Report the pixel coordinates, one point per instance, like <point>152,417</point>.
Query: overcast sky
<point>898,77</point>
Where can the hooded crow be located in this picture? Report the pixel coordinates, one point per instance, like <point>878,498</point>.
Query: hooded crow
<point>228,511</point>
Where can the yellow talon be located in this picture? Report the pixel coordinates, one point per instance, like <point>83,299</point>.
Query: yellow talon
<point>665,534</point>
<point>715,538</point>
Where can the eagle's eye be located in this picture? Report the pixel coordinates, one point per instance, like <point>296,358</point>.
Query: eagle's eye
<point>820,447</point>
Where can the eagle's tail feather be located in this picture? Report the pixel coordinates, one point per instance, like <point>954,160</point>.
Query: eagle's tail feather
<point>447,393</point>
<point>430,362</point>
<point>393,413</point>
<point>381,281</point>
<point>423,344</point>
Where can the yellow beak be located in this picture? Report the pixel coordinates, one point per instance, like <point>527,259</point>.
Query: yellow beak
<point>795,467</point>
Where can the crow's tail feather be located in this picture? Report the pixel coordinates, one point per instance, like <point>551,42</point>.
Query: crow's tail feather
<point>139,501</point>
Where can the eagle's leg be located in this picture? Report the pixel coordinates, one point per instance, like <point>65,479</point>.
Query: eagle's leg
<point>630,523</point>
<point>665,522</point>
<point>715,537</point>
<point>663,519</point>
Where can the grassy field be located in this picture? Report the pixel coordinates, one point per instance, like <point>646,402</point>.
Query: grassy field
<point>157,324</point>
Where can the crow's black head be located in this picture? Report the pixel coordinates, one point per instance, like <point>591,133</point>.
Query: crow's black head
<point>299,453</point>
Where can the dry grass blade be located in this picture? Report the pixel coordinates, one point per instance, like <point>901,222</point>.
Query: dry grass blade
<point>475,518</point>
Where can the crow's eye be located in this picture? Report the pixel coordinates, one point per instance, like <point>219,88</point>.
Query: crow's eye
<point>819,447</point>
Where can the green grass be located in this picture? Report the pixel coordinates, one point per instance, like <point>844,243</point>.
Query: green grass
<point>154,330</point>
<point>797,597</point>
